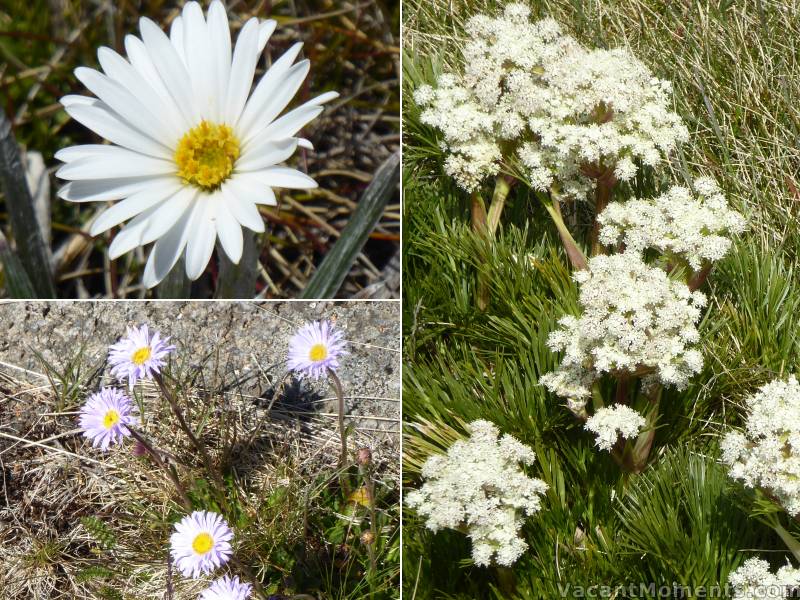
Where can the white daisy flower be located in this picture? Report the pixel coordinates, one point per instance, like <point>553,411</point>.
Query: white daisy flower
<point>201,543</point>
<point>193,151</point>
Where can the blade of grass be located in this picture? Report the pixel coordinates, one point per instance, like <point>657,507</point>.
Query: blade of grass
<point>33,254</point>
<point>332,271</point>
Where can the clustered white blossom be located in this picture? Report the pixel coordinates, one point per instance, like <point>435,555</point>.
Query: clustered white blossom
<point>608,423</point>
<point>767,453</point>
<point>528,90</point>
<point>754,581</point>
<point>479,488</point>
<point>634,319</point>
<point>696,226</point>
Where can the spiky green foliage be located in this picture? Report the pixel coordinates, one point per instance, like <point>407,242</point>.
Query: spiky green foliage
<point>682,520</point>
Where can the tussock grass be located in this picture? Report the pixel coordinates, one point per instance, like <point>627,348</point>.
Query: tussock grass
<point>734,69</point>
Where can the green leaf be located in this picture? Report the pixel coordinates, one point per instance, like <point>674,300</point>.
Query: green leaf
<point>330,274</point>
<point>33,254</point>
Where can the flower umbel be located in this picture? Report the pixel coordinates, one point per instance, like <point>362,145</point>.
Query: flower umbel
<point>529,93</point>
<point>193,151</point>
<point>608,423</point>
<point>105,417</point>
<point>227,588</point>
<point>138,355</point>
<point>479,487</point>
<point>767,453</point>
<point>315,348</point>
<point>635,319</point>
<point>754,581</point>
<point>201,543</point>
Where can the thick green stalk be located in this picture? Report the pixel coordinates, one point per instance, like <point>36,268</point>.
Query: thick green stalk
<point>502,187</point>
<point>788,539</point>
<point>576,257</point>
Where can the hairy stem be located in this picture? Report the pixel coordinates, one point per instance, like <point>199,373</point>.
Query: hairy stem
<point>337,388</point>
<point>187,504</point>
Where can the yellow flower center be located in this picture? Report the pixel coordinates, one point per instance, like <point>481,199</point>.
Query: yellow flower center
<point>112,418</point>
<point>202,543</point>
<point>318,352</point>
<point>141,356</point>
<point>206,155</point>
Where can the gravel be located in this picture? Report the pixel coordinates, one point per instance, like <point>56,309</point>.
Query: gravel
<point>249,338</point>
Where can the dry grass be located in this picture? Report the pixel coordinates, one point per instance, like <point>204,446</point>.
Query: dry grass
<point>278,453</point>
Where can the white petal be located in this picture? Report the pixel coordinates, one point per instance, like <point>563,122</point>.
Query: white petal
<point>265,154</point>
<point>99,190</point>
<point>166,251</point>
<point>290,123</point>
<point>141,61</point>
<point>134,205</point>
<point>229,230</point>
<point>110,126</point>
<point>245,57</point>
<point>323,98</point>
<point>262,109</point>
<point>177,38</point>
<point>73,99</point>
<point>170,67</point>
<point>253,188</point>
<point>72,153</point>
<point>200,62</point>
<point>282,177</point>
<point>121,101</point>
<point>129,237</point>
<point>220,33</point>
<point>112,161</point>
<point>203,234</point>
<point>152,223</point>
<point>168,213</point>
<point>304,143</point>
<point>265,31</point>
<point>267,87</point>
<point>239,201</point>
<point>120,70</point>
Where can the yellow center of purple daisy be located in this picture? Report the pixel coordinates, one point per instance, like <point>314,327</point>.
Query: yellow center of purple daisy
<point>206,155</point>
<point>202,543</point>
<point>141,356</point>
<point>318,352</point>
<point>112,418</point>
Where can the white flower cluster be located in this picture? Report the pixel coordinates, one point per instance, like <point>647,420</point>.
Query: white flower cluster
<point>635,319</point>
<point>608,423</point>
<point>696,227</point>
<point>754,581</point>
<point>567,112</point>
<point>479,488</point>
<point>767,453</point>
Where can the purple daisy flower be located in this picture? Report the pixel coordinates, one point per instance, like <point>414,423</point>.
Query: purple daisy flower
<point>201,543</point>
<point>315,349</point>
<point>138,355</point>
<point>227,588</point>
<point>105,417</point>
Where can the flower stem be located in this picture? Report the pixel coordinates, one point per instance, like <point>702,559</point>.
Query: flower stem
<point>699,278</point>
<point>337,388</point>
<point>201,449</point>
<point>187,503</point>
<point>788,539</point>
<point>602,194</point>
<point>502,187</point>
<point>553,207</point>
<point>480,227</point>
